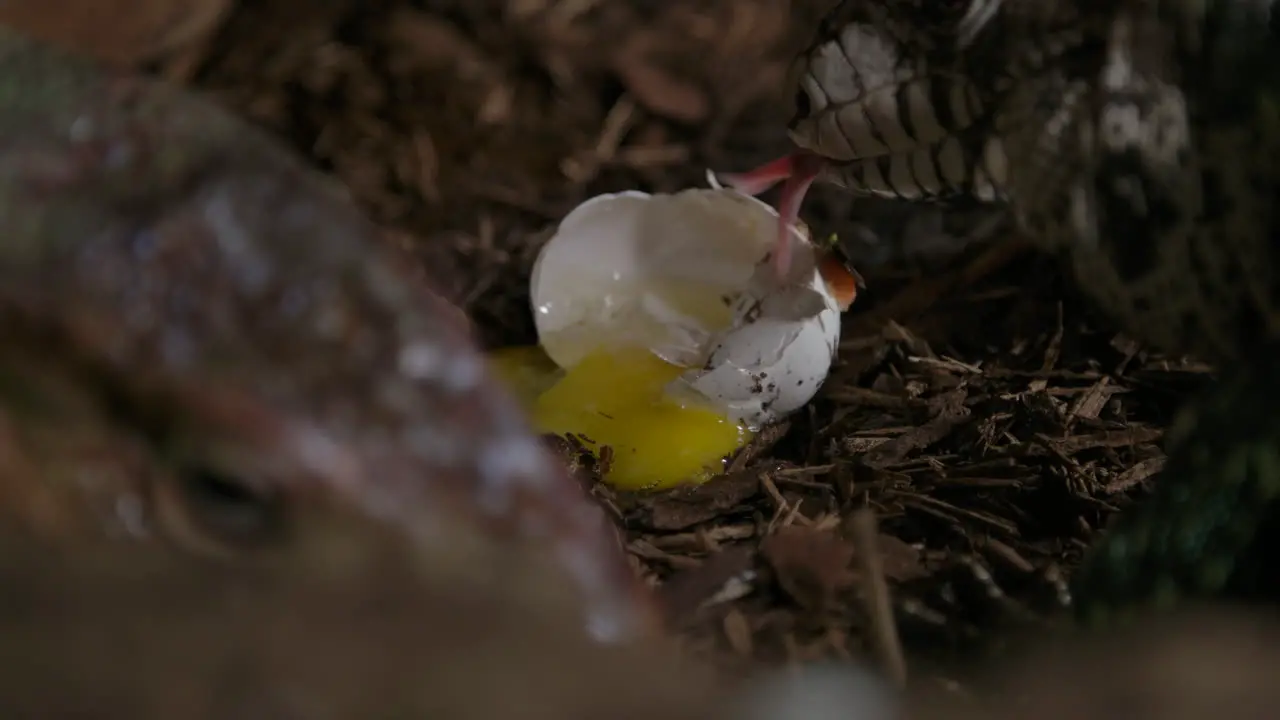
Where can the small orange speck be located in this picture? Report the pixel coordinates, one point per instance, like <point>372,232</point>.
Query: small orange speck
<point>842,282</point>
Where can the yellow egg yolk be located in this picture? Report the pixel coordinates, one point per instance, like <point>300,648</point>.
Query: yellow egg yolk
<point>618,400</point>
<point>526,371</point>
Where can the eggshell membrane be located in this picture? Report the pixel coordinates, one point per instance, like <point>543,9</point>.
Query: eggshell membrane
<point>668,272</point>
<point>608,273</point>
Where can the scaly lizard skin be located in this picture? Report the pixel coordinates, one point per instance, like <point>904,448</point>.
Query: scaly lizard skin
<point>346,622</point>
<point>106,632</point>
<point>201,340</point>
<point>1138,139</point>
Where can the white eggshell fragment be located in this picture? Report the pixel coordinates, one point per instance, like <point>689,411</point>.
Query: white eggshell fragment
<point>687,277</point>
<point>775,357</point>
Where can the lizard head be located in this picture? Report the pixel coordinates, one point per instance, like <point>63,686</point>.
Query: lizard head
<point>200,339</point>
<point>1089,117</point>
<point>914,99</point>
<point>909,98</point>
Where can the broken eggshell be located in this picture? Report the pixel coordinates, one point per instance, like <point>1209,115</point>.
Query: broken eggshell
<point>686,276</point>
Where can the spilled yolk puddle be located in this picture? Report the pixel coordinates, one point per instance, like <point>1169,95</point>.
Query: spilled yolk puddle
<point>618,399</point>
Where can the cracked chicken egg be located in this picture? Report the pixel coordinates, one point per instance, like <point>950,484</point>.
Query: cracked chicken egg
<point>666,335</point>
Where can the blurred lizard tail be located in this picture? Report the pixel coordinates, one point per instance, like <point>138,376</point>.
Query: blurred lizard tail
<point>1210,525</point>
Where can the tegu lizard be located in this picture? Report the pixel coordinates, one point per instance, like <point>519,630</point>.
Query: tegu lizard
<point>1140,141</point>
<point>202,340</point>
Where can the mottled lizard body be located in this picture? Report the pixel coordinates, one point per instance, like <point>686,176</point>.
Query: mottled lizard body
<point>203,343</point>
<point>1137,139</point>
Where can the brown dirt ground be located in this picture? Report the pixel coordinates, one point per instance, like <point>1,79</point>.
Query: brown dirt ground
<point>977,407</point>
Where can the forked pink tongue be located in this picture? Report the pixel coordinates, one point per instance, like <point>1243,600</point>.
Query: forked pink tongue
<point>755,181</point>
<point>796,172</point>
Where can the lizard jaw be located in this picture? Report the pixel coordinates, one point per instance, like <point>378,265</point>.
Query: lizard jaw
<point>796,172</point>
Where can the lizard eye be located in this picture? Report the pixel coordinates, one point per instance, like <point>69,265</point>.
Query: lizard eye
<point>216,513</point>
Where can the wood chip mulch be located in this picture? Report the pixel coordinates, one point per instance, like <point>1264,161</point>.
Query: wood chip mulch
<point>984,416</point>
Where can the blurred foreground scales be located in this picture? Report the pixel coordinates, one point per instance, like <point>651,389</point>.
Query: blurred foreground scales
<point>344,624</point>
<point>1138,139</point>
<point>202,341</point>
